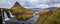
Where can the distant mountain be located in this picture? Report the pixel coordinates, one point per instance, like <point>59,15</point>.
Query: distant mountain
<point>37,9</point>
<point>51,8</point>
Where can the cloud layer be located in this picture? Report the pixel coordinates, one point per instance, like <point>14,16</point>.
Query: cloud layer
<point>30,3</point>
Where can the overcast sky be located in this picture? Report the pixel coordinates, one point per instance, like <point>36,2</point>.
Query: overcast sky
<point>30,3</point>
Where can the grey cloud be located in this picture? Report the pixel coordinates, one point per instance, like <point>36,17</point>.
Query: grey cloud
<point>26,3</point>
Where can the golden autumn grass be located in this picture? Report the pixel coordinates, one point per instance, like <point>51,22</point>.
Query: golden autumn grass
<point>51,18</point>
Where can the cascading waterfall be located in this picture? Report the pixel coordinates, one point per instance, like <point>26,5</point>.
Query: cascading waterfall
<point>11,14</point>
<point>6,17</point>
<point>2,16</point>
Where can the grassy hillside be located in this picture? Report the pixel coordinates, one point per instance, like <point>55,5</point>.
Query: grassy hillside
<point>50,17</point>
<point>18,9</point>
